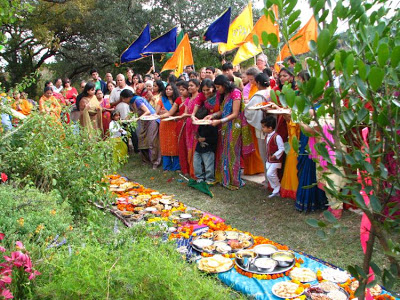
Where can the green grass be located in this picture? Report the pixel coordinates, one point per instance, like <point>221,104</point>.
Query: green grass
<point>249,209</point>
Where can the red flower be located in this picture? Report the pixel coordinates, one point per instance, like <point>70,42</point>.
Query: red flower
<point>4,177</point>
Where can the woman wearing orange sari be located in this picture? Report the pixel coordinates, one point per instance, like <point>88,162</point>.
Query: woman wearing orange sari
<point>91,111</point>
<point>49,104</point>
<point>168,134</point>
<point>253,163</point>
<point>21,105</point>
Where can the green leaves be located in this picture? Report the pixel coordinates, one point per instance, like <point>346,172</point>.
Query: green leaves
<point>395,58</point>
<point>376,78</point>
<point>323,42</point>
<point>383,54</point>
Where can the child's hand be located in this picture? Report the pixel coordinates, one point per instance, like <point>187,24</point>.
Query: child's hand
<point>201,139</point>
<point>272,157</point>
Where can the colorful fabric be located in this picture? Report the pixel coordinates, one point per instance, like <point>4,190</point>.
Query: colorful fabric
<point>307,199</point>
<point>71,94</point>
<point>181,134</point>
<point>91,116</point>
<point>50,106</point>
<point>168,135</point>
<point>290,182</point>
<point>229,147</point>
<point>23,106</point>
<point>211,104</point>
<point>106,115</point>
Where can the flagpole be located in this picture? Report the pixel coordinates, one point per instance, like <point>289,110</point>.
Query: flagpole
<point>152,59</point>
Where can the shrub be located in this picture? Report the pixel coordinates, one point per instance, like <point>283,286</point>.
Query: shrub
<point>52,156</point>
<point>138,268</point>
<point>33,217</point>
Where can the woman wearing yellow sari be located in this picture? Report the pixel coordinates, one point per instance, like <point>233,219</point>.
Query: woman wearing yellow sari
<point>91,111</point>
<point>49,104</point>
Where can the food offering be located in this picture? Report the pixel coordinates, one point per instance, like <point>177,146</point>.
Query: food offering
<point>215,264</point>
<point>223,242</point>
<point>262,264</point>
<point>149,118</point>
<point>335,275</point>
<point>326,290</point>
<point>281,111</point>
<point>375,290</point>
<point>202,122</point>
<point>260,105</point>
<point>303,275</point>
<point>287,289</point>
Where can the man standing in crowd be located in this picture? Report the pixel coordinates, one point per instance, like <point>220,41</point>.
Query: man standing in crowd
<point>121,85</point>
<point>100,84</point>
<point>210,73</point>
<point>227,69</point>
<point>108,77</point>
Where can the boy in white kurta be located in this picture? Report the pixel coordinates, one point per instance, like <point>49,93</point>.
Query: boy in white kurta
<point>274,150</point>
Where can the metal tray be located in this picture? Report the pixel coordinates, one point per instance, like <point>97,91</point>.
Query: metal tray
<point>251,240</point>
<point>253,268</point>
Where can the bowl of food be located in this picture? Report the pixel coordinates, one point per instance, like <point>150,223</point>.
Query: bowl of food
<point>265,264</point>
<point>245,256</point>
<point>284,258</point>
<point>265,250</point>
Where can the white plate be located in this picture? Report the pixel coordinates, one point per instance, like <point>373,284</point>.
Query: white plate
<point>171,118</point>
<point>202,122</point>
<point>276,285</point>
<point>149,118</point>
<point>201,243</point>
<point>335,275</point>
<point>283,111</point>
<point>255,107</point>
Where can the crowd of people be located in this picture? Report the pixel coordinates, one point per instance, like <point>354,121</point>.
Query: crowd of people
<point>202,124</point>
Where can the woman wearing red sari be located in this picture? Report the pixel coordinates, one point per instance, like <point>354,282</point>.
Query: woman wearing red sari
<point>69,92</point>
<point>106,110</point>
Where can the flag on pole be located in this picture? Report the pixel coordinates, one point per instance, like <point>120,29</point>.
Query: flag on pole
<point>133,52</point>
<point>217,32</point>
<point>162,44</point>
<point>181,57</point>
<point>178,40</point>
<point>238,30</point>
<point>299,42</point>
<point>248,49</point>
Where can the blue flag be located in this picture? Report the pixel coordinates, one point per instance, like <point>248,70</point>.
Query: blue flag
<point>162,44</point>
<point>133,52</point>
<point>217,32</point>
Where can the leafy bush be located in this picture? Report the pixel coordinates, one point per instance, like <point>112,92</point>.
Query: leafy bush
<point>52,156</point>
<point>33,217</point>
<point>140,267</point>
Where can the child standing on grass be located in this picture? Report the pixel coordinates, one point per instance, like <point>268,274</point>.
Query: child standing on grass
<point>117,133</point>
<point>204,156</point>
<point>274,150</point>
<point>115,128</point>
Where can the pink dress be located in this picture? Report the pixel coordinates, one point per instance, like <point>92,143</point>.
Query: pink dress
<point>106,116</point>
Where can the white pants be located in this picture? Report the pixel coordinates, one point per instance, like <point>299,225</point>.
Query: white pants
<point>263,152</point>
<point>272,176</point>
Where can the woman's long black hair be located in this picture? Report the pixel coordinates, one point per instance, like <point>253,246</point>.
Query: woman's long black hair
<point>225,82</point>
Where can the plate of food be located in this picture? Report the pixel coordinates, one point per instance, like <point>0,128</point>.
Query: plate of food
<point>171,118</point>
<point>202,122</point>
<point>326,290</point>
<point>224,242</point>
<point>260,105</point>
<point>129,120</point>
<point>282,111</point>
<point>303,275</point>
<point>149,118</point>
<point>335,275</point>
<point>215,264</point>
<point>287,289</point>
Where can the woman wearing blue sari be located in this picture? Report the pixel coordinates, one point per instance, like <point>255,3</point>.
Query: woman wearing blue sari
<point>168,134</point>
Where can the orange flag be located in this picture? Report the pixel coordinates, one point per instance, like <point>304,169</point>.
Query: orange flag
<point>263,24</point>
<point>299,42</point>
<point>181,57</point>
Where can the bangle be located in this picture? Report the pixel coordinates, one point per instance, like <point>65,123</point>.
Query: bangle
<point>224,120</point>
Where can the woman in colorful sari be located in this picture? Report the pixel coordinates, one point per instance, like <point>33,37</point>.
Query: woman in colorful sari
<point>49,104</point>
<point>149,142</point>
<point>106,111</point>
<point>91,116</point>
<point>168,135</point>
<point>254,117</point>
<point>253,163</point>
<point>21,105</point>
<point>190,103</point>
<point>179,108</point>
<point>227,159</point>
<point>158,90</point>
<point>69,92</point>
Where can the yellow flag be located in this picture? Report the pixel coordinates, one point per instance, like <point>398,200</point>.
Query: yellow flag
<point>248,49</point>
<point>186,58</point>
<point>238,30</point>
<point>299,42</point>
<point>180,65</point>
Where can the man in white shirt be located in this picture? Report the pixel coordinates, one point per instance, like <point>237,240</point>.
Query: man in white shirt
<point>274,148</point>
<point>115,94</point>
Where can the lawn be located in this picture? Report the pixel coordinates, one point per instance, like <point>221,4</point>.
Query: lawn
<point>249,209</point>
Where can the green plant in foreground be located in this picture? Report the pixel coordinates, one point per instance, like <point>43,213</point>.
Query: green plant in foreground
<point>137,267</point>
<point>368,77</point>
